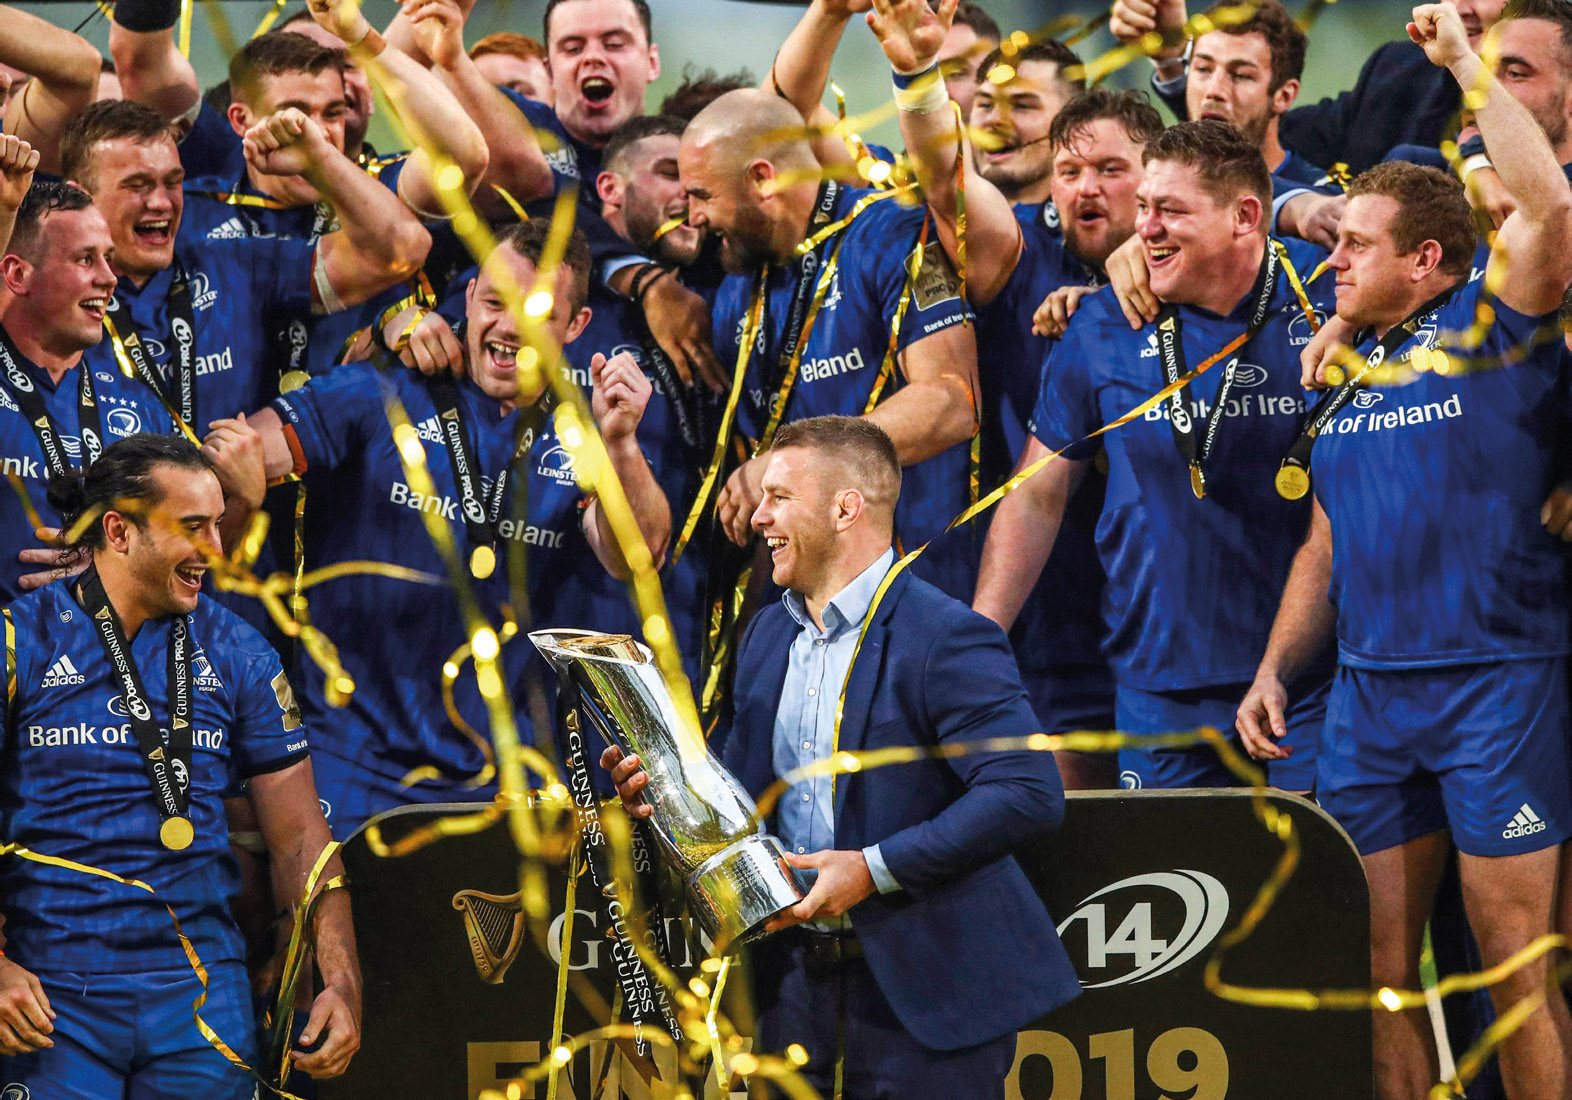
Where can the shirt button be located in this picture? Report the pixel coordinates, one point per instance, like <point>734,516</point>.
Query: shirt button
<point>819,642</point>
<point>812,692</point>
<point>801,849</point>
<point>807,744</point>
<point>806,797</point>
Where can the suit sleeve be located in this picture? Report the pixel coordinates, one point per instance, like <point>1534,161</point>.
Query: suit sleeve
<point>1319,132</point>
<point>972,692</point>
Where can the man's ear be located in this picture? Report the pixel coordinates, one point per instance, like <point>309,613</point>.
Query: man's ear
<point>608,185</point>
<point>1247,215</point>
<point>849,507</point>
<point>240,117</point>
<point>17,273</point>
<point>576,326</point>
<point>1284,97</point>
<point>654,63</point>
<point>117,531</point>
<point>761,175</point>
<point>1427,258</point>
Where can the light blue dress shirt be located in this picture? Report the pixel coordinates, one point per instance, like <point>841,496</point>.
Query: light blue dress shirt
<point>805,722</point>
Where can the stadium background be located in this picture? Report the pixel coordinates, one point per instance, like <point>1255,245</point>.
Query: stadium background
<point>727,35</point>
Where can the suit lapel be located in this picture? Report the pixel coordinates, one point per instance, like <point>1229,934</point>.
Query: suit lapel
<point>760,723</point>
<point>865,675</point>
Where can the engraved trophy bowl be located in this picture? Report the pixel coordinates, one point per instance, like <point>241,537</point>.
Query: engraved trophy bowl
<point>704,823</point>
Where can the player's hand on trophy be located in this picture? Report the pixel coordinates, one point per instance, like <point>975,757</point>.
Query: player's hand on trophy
<point>25,1014</point>
<point>628,773</point>
<point>844,880</point>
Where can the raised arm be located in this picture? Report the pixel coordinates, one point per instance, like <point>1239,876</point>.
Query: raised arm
<point>18,159</point>
<point>151,68</point>
<point>1531,263</point>
<point>400,31</point>
<point>911,35</point>
<point>620,396</point>
<point>514,162</point>
<point>378,243</point>
<point>801,69</point>
<point>430,109</point>
<point>64,69</point>
<point>1024,528</point>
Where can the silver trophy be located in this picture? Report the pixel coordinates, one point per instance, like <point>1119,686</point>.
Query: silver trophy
<point>705,823</point>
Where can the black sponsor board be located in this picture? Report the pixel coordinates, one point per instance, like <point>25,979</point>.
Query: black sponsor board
<point>1141,886</point>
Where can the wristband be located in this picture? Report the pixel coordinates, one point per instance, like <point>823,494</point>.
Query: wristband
<point>369,44</point>
<point>920,93</point>
<point>906,80</point>
<point>644,288</point>
<point>1473,164</point>
<point>146,16</point>
<point>634,284</point>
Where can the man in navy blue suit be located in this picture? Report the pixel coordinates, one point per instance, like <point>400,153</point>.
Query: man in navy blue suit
<point>920,947</point>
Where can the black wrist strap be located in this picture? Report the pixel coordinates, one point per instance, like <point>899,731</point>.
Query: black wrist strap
<point>147,15</point>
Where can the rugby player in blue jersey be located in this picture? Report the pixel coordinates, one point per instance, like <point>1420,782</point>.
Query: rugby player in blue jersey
<point>1044,208</point>
<point>55,413</point>
<point>395,635</point>
<point>1448,720</point>
<point>1193,535</point>
<point>753,182</point>
<point>133,703</point>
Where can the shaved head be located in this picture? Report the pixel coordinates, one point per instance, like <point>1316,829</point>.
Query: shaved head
<point>750,175</point>
<point>748,125</point>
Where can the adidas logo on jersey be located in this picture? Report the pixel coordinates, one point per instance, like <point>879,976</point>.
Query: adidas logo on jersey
<point>63,673</point>
<point>233,229</point>
<point>1524,823</point>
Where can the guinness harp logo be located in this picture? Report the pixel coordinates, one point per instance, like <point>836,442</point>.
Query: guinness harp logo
<point>495,927</point>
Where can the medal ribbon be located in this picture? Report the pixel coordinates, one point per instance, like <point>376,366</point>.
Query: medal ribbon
<point>31,401</point>
<point>1293,477</point>
<point>482,511</point>
<point>804,308</point>
<point>135,362</point>
<point>1170,346</point>
<point>161,763</point>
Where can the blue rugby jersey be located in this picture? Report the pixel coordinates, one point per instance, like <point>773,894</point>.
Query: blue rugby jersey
<point>1060,625</point>
<point>1193,585</point>
<point>394,635</point>
<point>73,785</point>
<point>614,327</point>
<point>1433,489</point>
<point>125,407</point>
<point>841,357</point>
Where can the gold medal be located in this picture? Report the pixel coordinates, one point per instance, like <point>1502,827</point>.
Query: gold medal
<point>1197,481</point>
<point>176,833</point>
<point>1292,481</point>
<point>293,380</point>
<point>482,562</point>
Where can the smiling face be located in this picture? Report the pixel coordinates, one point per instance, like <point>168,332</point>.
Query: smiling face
<point>796,519</point>
<point>1018,115</point>
<point>1478,16</point>
<point>163,559</point>
<point>728,206</point>
<point>493,339</point>
<point>62,297</point>
<point>138,187</point>
<point>601,62</point>
<point>1188,235</point>
<point>652,195</point>
<point>1095,176</point>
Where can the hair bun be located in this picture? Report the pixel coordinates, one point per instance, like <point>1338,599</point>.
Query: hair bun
<point>68,495</point>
